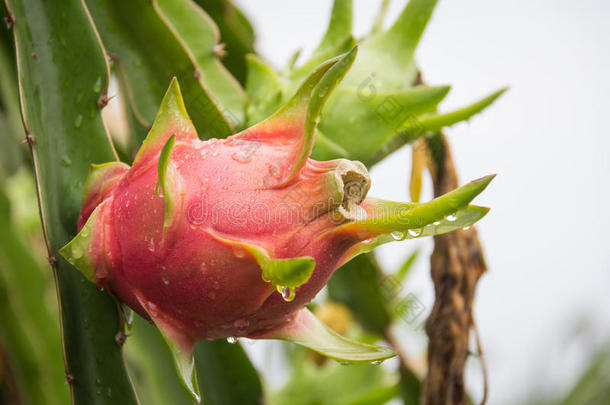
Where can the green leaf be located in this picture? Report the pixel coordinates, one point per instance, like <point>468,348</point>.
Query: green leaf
<point>78,251</point>
<point>151,367</point>
<point>405,268</point>
<point>236,33</point>
<point>166,184</point>
<point>357,285</point>
<point>59,98</point>
<point>379,20</point>
<point>263,88</point>
<point>149,54</point>
<point>200,37</point>
<point>180,345</point>
<point>414,129</point>
<point>390,54</point>
<point>185,365</point>
<point>337,40</point>
<point>171,120</point>
<point>435,122</point>
<point>30,332</point>
<point>333,384</point>
<point>10,121</point>
<point>362,124</point>
<point>338,33</point>
<point>388,216</point>
<point>281,273</point>
<point>306,330</point>
<point>299,116</point>
<point>226,375</point>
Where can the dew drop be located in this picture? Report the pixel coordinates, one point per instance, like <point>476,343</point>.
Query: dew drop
<point>288,293</point>
<point>239,252</point>
<point>415,232</point>
<point>165,280</point>
<point>78,121</point>
<point>85,232</point>
<point>396,235</point>
<point>98,381</point>
<point>467,227</point>
<point>451,217</point>
<point>203,266</point>
<point>345,363</point>
<point>376,362</point>
<point>232,340</point>
<point>241,157</point>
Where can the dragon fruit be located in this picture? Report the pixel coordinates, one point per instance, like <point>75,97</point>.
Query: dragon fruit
<point>232,237</point>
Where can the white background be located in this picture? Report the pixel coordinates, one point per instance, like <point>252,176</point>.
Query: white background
<point>544,306</point>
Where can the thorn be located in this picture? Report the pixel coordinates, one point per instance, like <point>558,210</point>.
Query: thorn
<point>9,20</point>
<point>69,378</point>
<point>34,55</point>
<point>196,74</point>
<point>52,261</point>
<point>220,51</point>
<point>120,338</point>
<point>103,100</point>
<point>29,139</point>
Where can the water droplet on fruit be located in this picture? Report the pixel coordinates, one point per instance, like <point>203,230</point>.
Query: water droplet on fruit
<point>203,266</point>
<point>232,340</point>
<point>239,252</point>
<point>288,293</point>
<point>98,381</point>
<point>78,121</point>
<point>396,235</point>
<point>466,227</point>
<point>415,232</point>
<point>376,362</point>
<point>165,280</point>
<point>241,157</point>
<point>451,217</point>
<point>345,363</point>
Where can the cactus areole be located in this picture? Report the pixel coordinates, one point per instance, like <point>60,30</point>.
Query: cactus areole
<point>232,237</point>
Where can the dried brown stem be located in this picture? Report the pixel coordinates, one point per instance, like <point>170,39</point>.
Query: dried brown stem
<point>456,265</point>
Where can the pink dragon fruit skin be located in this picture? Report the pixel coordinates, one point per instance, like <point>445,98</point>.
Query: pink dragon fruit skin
<point>227,238</point>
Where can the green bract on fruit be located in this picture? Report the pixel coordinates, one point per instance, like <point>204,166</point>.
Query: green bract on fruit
<point>233,237</point>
